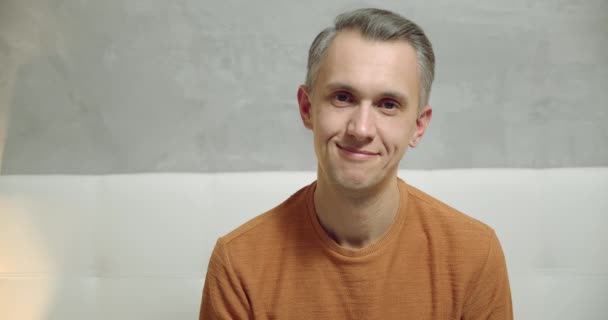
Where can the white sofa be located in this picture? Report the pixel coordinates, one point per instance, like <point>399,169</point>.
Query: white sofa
<point>136,246</point>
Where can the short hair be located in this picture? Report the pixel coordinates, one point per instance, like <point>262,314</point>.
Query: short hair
<point>381,25</point>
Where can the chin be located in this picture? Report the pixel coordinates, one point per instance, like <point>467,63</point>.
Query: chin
<point>356,182</point>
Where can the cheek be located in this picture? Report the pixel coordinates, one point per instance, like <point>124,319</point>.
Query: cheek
<point>329,122</point>
<point>396,137</point>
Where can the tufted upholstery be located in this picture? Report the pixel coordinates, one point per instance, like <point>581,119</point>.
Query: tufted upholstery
<point>137,246</point>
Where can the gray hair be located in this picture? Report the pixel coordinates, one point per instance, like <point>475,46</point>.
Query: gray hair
<point>381,25</point>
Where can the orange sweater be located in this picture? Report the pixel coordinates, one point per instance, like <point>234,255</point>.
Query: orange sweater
<point>433,263</point>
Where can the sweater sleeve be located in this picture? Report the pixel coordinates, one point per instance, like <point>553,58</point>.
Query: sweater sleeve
<point>490,296</point>
<point>223,293</point>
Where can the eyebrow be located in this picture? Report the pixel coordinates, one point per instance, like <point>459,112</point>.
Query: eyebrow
<point>390,94</point>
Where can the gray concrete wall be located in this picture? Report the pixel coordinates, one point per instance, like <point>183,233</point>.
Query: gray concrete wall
<point>189,85</point>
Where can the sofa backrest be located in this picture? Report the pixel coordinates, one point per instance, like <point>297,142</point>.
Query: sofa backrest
<point>137,246</point>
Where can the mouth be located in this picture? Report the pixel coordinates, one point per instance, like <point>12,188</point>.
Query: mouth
<point>356,153</point>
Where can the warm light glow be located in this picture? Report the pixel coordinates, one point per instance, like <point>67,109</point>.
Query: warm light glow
<point>26,270</point>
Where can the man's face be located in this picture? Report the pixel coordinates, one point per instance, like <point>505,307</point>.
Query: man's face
<point>363,110</point>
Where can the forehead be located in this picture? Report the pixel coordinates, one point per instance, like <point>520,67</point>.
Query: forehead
<point>370,65</point>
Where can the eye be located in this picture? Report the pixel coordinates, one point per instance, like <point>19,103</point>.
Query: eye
<point>342,98</point>
<point>388,104</point>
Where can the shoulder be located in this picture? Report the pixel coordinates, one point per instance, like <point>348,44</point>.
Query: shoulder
<point>467,247</point>
<point>458,235</point>
<point>447,219</point>
<point>270,227</point>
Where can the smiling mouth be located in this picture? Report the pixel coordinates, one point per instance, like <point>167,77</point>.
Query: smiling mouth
<point>356,152</point>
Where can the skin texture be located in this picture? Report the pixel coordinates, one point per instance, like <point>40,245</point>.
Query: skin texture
<point>363,112</point>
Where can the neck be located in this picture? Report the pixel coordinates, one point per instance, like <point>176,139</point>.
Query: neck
<point>356,219</point>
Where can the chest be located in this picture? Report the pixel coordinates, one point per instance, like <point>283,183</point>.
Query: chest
<point>396,286</point>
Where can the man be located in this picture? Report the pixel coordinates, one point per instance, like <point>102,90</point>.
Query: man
<point>359,243</point>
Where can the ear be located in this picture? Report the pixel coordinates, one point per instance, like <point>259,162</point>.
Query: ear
<point>422,122</point>
<point>305,106</point>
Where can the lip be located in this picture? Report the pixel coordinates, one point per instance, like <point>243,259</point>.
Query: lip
<point>355,153</point>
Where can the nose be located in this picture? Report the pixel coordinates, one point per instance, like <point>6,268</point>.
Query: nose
<point>362,125</point>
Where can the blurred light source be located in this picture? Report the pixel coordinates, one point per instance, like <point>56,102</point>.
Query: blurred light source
<point>26,271</point>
